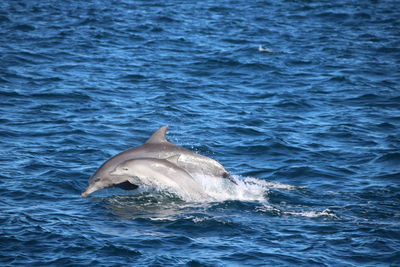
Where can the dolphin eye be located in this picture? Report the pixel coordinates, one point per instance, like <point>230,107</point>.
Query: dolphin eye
<point>125,168</point>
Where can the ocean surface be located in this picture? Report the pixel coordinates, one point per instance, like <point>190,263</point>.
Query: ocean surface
<point>299,100</point>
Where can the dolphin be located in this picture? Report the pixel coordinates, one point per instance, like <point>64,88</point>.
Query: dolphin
<point>158,147</point>
<point>162,174</point>
<point>158,173</point>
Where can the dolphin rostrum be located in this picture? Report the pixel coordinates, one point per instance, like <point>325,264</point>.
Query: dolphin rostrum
<point>158,147</point>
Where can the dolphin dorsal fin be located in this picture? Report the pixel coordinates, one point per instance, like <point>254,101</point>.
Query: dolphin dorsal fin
<point>173,159</point>
<point>158,136</point>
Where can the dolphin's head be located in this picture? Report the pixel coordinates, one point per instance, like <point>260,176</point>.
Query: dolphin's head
<point>94,185</point>
<point>122,169</point>
<point>101,180</point>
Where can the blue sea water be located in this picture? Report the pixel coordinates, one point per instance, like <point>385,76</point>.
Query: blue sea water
<point>309,127</point>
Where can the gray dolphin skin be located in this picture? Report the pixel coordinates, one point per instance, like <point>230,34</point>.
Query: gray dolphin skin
<point>159,173</point>
<point>156,147</point>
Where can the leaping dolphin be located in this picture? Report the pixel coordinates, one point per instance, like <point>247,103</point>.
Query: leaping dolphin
<point>157,147</point>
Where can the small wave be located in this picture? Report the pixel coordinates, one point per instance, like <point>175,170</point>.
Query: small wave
<point>274,185</point>
<point>389,158</point>
<point>333,15</point>
<point>313,214</point>
<point>64,95</point>
<point>132,77</point>
<point>326,213</point>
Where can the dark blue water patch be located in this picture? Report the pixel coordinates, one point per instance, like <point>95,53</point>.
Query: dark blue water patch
<point>390,159</point>
<point>24,28</point>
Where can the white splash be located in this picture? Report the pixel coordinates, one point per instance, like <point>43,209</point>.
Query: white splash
<point>222,189</point>
<point>244,189</point>
<point>274,185</point>
<point>309,214</point>
<point>312,214</point>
